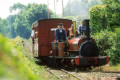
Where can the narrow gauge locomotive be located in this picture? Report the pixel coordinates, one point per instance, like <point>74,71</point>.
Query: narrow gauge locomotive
<point>82,52</point>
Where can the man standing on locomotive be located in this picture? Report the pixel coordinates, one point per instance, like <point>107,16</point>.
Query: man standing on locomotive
<point>60,34</point>
<point>82,29</point>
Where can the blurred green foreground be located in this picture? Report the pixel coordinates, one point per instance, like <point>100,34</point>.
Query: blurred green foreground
<point>15,64</point>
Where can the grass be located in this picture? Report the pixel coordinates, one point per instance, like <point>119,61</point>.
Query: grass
<point>112,67</point>
<point>108,68</point>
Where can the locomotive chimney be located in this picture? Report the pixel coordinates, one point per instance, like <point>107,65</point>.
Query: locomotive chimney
<point>87,29</point>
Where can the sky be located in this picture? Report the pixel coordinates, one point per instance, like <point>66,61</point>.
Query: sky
<point>5,5</point>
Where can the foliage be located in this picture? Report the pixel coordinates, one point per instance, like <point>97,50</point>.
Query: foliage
<point>4,27</point>
<point>11,20</point>
<point>14,65</point>
<point>114,51</point>
<point>96,18</point>
<point>110,10</point>
<point>102,41</point>
<point>109,44</point>
<point>21,27</point>
<point>37,12</point>
<point>17,6</point>
<point>22,21</point>
<point>112,13</point>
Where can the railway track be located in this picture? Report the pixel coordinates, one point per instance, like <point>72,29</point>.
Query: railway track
<point>85,75</point>
<point>64,75</point>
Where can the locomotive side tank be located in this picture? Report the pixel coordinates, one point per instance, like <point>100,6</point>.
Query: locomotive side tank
<point>74,43</point>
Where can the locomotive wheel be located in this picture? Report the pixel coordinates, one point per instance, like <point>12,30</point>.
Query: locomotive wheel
<point>88,49</point>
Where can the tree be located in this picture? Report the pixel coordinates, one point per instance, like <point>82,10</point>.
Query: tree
<point>112,13</point>
<point>16,6</point>
<point>37,12</point>
<point>21,27</point>
<point>13,33</point>
<point>4,28</point>
<point>26,17</point>
<point>11,20</point>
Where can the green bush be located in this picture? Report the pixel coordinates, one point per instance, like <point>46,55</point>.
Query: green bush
<point>107,41</point>
<point>110,10</point>
<point>114,51</point>
<point>96,18</point>
<point>102,41</point>
<point>109,44</point>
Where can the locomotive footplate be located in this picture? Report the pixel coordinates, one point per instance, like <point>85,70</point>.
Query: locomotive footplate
<point>91,61</point>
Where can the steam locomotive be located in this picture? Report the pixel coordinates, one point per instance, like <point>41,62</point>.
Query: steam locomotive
<point>81,51</point>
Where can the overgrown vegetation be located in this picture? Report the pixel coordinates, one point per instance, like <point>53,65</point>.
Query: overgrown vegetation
<point>96,18</point>
<point>112,13</point>
<point>109,44</point>
<point>16,63</point>
<point>106,16</point>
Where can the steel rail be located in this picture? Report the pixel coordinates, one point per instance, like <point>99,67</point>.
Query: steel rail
<point>71,74</point>
<point>54,74</point>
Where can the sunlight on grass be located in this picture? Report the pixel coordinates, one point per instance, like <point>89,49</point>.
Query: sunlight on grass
<point>112,68</point>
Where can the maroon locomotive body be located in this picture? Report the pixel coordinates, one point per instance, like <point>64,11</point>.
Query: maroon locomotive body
<point>81,50</point>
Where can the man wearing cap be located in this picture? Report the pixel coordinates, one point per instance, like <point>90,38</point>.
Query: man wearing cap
<point>60,33</point>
